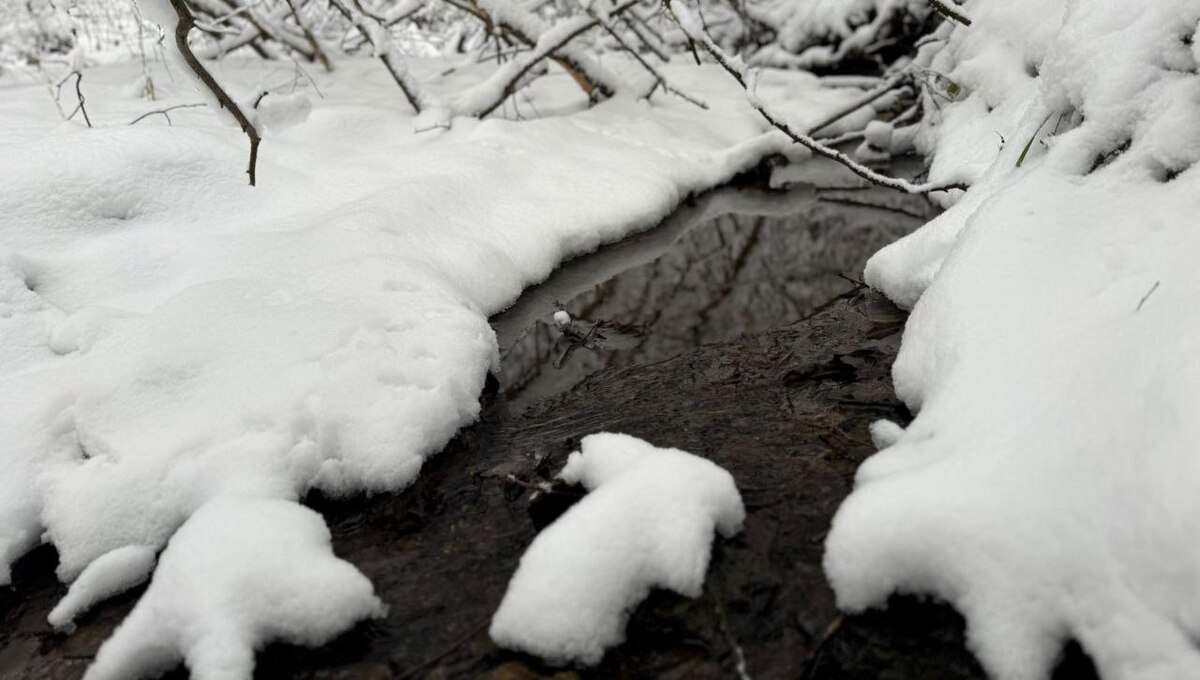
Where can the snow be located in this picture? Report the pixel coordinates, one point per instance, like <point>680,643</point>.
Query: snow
<point>648,521</point>
<point>110,574</point>
<point>239,574</point>
<point>174,338</point>
<point>1047,487</point>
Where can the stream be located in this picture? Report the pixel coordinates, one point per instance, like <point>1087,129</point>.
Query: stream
<point>734,330</point>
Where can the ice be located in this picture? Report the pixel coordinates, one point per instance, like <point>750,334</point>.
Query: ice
<point>648,521</point>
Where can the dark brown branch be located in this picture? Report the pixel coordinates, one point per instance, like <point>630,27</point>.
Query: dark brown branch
<point>79,108</point>
<point>659,80</point>
<point>182,29</point>
<point>949,12</point>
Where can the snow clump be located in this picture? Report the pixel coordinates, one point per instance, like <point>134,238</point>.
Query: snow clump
<point>647,522</point>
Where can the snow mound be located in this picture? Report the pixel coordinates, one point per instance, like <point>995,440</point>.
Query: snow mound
<point>239,574</point>
<point>648,521</point>
<point>1047,487</point>
<point>110,574</point>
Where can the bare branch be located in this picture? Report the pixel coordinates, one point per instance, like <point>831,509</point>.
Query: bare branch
<point>182,29</point>
<point>164,112</point>
<point>950,12</point>
<point>736,71</point>
<point>888,85</point>
<point>659,79</point>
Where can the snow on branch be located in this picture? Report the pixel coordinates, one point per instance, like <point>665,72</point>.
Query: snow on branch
<point>528,28</point>
<point>949,12</point>
<point>375,31</point>
<point>695,33</point>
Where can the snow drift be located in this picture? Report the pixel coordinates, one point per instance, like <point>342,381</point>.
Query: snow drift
<point>1047,487</point>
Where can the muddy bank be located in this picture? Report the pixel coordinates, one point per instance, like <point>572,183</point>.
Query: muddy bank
<point>734,336</point>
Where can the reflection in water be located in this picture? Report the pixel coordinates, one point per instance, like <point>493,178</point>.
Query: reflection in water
<point>733,262</point>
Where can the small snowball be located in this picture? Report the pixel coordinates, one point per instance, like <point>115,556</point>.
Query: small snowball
<point>110,574</point>
<point>279,112</point>
<point>884,433</point>
<point>562,319</point>
<point>879,134</point>
<point>648,522</point>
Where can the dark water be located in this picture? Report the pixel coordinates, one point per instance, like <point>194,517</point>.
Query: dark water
<point>734,262</point>
<point>733,331</point>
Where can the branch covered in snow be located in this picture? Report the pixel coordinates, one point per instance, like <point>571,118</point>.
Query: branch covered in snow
<point>695,32</point>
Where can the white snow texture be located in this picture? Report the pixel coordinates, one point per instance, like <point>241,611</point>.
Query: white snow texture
<point>1048,485</point>
<point>239,574</point>
<point>110,574</point>
<point>648,521</point>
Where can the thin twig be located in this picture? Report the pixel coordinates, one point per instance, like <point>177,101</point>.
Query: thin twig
<point>776,121</point>
<point>949,12</point>
<point>888,85</point>
<point>163,112</point>
<point>1147,296</point>
<point>659,80</point>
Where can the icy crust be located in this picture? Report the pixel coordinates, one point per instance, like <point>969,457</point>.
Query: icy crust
<point>648,521</point>
<point>238,575</point>
<point>173,336</point>
<point>1047,487</point>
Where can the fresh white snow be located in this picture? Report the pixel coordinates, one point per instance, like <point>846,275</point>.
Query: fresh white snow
<point>1048,486</point>
<point>238,574</point>
<point>648,521</point>
<point>174,337</point>
<point>110,574</point>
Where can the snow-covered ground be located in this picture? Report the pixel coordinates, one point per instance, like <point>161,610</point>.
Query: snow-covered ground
<point>186,355</point>
<point>1048,486</point>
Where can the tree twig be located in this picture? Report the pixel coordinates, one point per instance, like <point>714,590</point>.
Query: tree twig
<point>737,72</point>
<point>949,12</point>
<point>185,25</point>
<point>164,112</point>
<point>888,85</point>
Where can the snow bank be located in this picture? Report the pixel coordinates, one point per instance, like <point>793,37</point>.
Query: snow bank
<point>110,574</point>
<point>1047,487</point>
<point>172,336</point>
<point>239,574</point>
<point>648,521</point>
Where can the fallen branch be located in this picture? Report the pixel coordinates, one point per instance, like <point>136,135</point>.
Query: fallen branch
<point>737,72</point>
<point>888,85</point>
<point>182,29</point>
